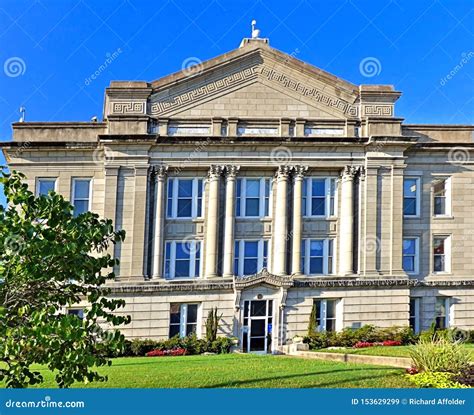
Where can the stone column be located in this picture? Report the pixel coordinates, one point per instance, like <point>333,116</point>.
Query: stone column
<point>212,221</point>
<point>228,268</point>
<point>297,219</point>
<point>280,231</point>
<point>160,173</point>
<point>346,222</point>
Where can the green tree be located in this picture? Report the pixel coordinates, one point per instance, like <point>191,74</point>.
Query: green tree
<point>212,324</point>
<point>49,260</point>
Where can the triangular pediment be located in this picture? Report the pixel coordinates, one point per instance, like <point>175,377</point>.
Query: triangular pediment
<point>250,79</point>
<point>263,278</point>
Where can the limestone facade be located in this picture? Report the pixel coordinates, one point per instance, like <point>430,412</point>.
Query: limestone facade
<point>263,186</point>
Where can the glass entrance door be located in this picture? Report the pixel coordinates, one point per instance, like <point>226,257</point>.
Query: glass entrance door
<point>258,326</point>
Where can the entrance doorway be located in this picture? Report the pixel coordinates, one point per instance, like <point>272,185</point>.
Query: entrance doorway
<point>257,326</point>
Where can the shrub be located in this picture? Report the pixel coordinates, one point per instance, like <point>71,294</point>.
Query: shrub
<point>439,355</point>
<point>212,324</point>
<point>139,347</point>
<point>221,345</point>
<point>466,376</point>
<point>441,380</point>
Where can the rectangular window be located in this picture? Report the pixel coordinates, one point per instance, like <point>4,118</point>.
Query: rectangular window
<point>250,257</point>
<point>411,196</point>
<point>317,256</point>
<point>81,195</point>
<point>183,319</point>
<point>327,314</point>
<point>182,259</point>
<point>411,255</point>
<point>441,254</point>
<point>415,314</point>
<point>319,195</point>
<point>45,185</point>
<point>79,312</point>
<point>184,198</point>
<point>442,197</point>
<point>442,312</point>
<point>253,197</point>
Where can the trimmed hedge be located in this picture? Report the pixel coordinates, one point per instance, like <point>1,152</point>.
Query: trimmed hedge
<point>349,337</point>
<point>192,345</point>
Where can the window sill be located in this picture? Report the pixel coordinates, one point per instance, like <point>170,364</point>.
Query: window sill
<point>443,217</point>
<point>411,217</point>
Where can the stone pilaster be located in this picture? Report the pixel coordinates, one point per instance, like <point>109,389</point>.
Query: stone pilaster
<point>299,172</point>
<point>212,221</point>
<point>280,228</point>
<point>160,173</point>
<point>110,199</point>
<point>229,223</point>
<point>346,222</point>
<point>370,245</point>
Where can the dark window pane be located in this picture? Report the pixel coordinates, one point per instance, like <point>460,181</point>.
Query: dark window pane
<point>80,206</point>
<point>438,246</point>
<point>251,249</point>
<point>409,187</point>
<point>46,186</point>
<point>316,266</point>
<point>440,323</point>
<point>257,328</point>
<point>174,330</point>
<point>331,325</point>
<point>183,250</point>
<point>330,308</point>
<point>185,188</point>
<point>409,206</point>
<point>252,207</point>
<point>440,206</point>
<point>439,263</point>
<point>81,189</point>
<point>257,344</point>
<point>316,248</point>
<point>192,313</point>
<point>318,206</point>
<point>258,308</point>
<point>408,263</point>
<point>250,266</point>
<point>175,314</point>
<point>409,247</point>
<point>182,268</point>
<point>252,188</point>
<point>318,187</point>
<point>184,208</point>
<point>190,328</point>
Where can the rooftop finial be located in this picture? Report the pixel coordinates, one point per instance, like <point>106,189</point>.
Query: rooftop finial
<point>255,32</point>
<point>22,114</point>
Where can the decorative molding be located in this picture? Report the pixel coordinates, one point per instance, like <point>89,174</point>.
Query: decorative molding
<point>299,171</point>
<point>283,172</point>
<point>206,90</point>
<point>308,91</point>
<point>231,171</point>
<point>350,172</point>
<point>129,107</point>
<point>377,110</point>
<point>263,276</point>
<point>160,172</point>
<point>215,171</point>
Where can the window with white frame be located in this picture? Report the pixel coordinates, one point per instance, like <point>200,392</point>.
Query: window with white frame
<point>253,197</point>
<point>184,198</point>
<point>442,312</point>
<point>78,312</point>
<point>44,185</point>
<point>441,253</point>
<point>328,314</point>
<point>319,197</point>
<point>442,196</point>
<point>81,195</point>
<point>183,319</point>
<point>250,256</point>
<point>411,196</point>
<point>415,314</point>
<point>182,259</point>
<point>317,256</point>
<point>411,255</point>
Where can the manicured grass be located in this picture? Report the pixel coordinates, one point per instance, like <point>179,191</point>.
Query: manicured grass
<point>241,371</point>
<point>394,351</point>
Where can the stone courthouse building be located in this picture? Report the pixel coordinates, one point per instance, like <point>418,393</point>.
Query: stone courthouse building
<point>264,186</point>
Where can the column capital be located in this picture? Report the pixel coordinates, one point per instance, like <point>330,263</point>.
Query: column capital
<point>299,171</point>
<point>231,171</point>
<point>214,171</point>
<point>350,172</point>
<point>283,172</point>
<point>160,172</point>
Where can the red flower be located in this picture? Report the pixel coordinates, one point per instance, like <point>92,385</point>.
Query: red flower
<point>173,352</point>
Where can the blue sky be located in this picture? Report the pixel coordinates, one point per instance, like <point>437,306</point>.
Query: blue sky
<point>49,48</point>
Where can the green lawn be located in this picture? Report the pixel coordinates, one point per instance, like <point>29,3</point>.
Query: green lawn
<point>241,371</point>
<point>394,351</point>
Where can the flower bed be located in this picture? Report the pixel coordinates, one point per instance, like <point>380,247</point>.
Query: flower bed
<point>172,352</point>
<point>360,345</point>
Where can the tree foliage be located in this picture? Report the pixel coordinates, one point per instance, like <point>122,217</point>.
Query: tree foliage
<point>212,324</point>
<point>51,259</point>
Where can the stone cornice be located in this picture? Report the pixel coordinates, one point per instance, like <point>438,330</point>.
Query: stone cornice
<point>262,277</point>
